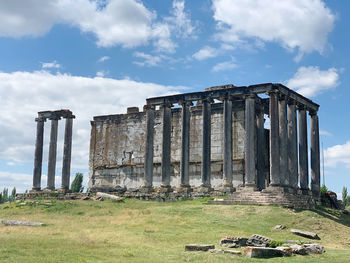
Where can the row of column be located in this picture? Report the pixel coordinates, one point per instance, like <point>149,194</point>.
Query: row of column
<point>284,161</point>
<point>38,155</point>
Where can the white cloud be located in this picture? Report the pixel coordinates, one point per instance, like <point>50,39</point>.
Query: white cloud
<point>310,81</point>
<point>295,24</point>
<point>103,59</point>
<point>149,60</point>
<point>102,73</point>
<point>117,22</point>
<point>325,133</point>
<point>23,94</point>
<point>205,53</point>
<point>53,64</point>
<point>338,154</point>
<point>226,65</point>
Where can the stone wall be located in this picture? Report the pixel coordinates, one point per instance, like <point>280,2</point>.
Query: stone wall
<point>118,142</point>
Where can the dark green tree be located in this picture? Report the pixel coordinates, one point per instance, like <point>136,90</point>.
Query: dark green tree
<point>345,196</point>
<point>5,195</point>
<point>76,186</point>
<point>13,195</point>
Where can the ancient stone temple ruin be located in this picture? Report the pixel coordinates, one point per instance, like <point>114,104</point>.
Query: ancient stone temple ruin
<point>218,140</point>
<point>54,116</point>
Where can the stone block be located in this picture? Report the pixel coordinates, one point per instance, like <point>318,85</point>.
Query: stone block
<point>233,241</point>
<point>263,252</point>
<point>258,241</point>
<point>305,234</point>
<point>198,247</point>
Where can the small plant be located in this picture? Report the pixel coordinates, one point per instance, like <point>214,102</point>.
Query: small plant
<point>76,186</point>
<point>275,243</point>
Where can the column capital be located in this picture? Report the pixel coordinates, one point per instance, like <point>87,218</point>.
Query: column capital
<point>291,101</point>
<point>282,97</point>
<point>312,112</point>
<point>210,100</point>
<point>250,96</point>
<point>148,107</point>
<point>166,105</point>
<point>273,91</point>
<point>55,116</point>
<point>185,103</point>
<point>40,119</point>
<point>301,106</point>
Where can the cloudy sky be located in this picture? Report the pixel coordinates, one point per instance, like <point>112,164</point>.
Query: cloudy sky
<point>100,56</point>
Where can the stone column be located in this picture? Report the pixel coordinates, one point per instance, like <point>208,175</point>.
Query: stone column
<point>166,148</point>
<point>227,162</point>
<point>260,148</point>
<point>274,140</point>
<point>283,141</point>
<point>250,133</point>
<point>51,169</point>
<point>206,143</point>
<point>148,163</point>
<point>303,157</point>
<point>315,155</point>
<point>38,155</point>
<point>67,150</point>
<point>292,145</point>
<point>185,146</point>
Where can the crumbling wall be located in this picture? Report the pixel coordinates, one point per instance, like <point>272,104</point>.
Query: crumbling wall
<point>118,142</point>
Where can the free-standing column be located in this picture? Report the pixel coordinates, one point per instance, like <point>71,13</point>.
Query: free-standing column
<point>250,171</point>
<point>227,143</point>
<point>185,145</point>
<point>148,169</point>
<point>315,154</point>
<point>274,140</point>
<point>206,144</point>
<point>260,148</point>
<point>51,169</point>
<point>292,145</point>
<point>67,150</point>
<point>283,135</point>
<point>38,155</point>
<point>303,158</point>
<point>166,145</point>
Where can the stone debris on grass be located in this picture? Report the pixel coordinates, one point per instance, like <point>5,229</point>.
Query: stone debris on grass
<point>198,247</point>
<point>279,227</point>
<point>109,196</point>
<point>258,241</point>
<point>233,242</point>
<point>264,252</point>
<point>305,234</point>
<point>225,251</point>
<point>20,223</point>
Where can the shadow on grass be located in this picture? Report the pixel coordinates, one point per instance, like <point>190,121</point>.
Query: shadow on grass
<point>335,215</point>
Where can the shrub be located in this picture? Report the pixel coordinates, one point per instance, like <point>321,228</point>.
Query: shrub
<point>76,186</point>
<point>275,243</point>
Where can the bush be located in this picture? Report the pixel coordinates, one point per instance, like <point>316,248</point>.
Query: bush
<point>76,186</point>
<point>323,190</point>
<point>275,243</point>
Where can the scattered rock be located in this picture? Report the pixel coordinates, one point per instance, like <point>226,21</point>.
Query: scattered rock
<point>286,250</point>
<point>263,252</point>
<point>292,242</point>
<point>216,251</point>
<point>233,242</point>
<point>305,234</point>
<point>198,247</point>
<point>279,227</point>
<point>233,252</point>
<point>314,248</point>
<point>22,204</point>
<point>299,250</point>
<point>86,197</point>
<point>109,196</point>
<point>20,223</point>
<point>258,241</point>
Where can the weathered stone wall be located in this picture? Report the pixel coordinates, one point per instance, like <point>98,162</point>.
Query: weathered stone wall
<point>118,142</point>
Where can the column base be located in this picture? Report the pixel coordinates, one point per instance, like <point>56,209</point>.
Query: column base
<point>277,188</point>
<point>164,189</point>
<point>146,189</point>
<point>35,190</point>
<point>48,190</point>
<point>63,191</point>
<point>305,191</point>
<point>204,189</point>
<point>249,188</point>
<point>227,188</point>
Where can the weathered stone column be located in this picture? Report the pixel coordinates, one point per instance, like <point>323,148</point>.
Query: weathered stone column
<point>38,155</point>
<point>166,147</point>
<point>250,133</point>
<point>51,169</point>
<point>148,165</point>
<point>185,146</point>
<point>274,140</point>
<point>292,145</point>
<point>315,155</point>
<point>206,143</point>
<point>283,135</point>
<point>303,157</point>
<point>260,148</point>
<point>67,150</point>
<point>227,162</point>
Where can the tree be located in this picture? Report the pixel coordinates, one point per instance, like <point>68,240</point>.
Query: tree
<point>13,194</point>
<point>5,195</point>
<point>345,196</point>
<point>76,185</point>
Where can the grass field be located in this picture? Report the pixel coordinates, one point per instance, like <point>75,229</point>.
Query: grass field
<point>149,231</point>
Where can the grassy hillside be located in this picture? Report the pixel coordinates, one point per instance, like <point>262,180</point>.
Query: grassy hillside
<point>145,231</point>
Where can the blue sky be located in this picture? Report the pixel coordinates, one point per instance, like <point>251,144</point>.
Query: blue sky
<point>100,57</point>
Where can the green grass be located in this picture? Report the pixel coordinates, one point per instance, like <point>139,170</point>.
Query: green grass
<point>147,231</point>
